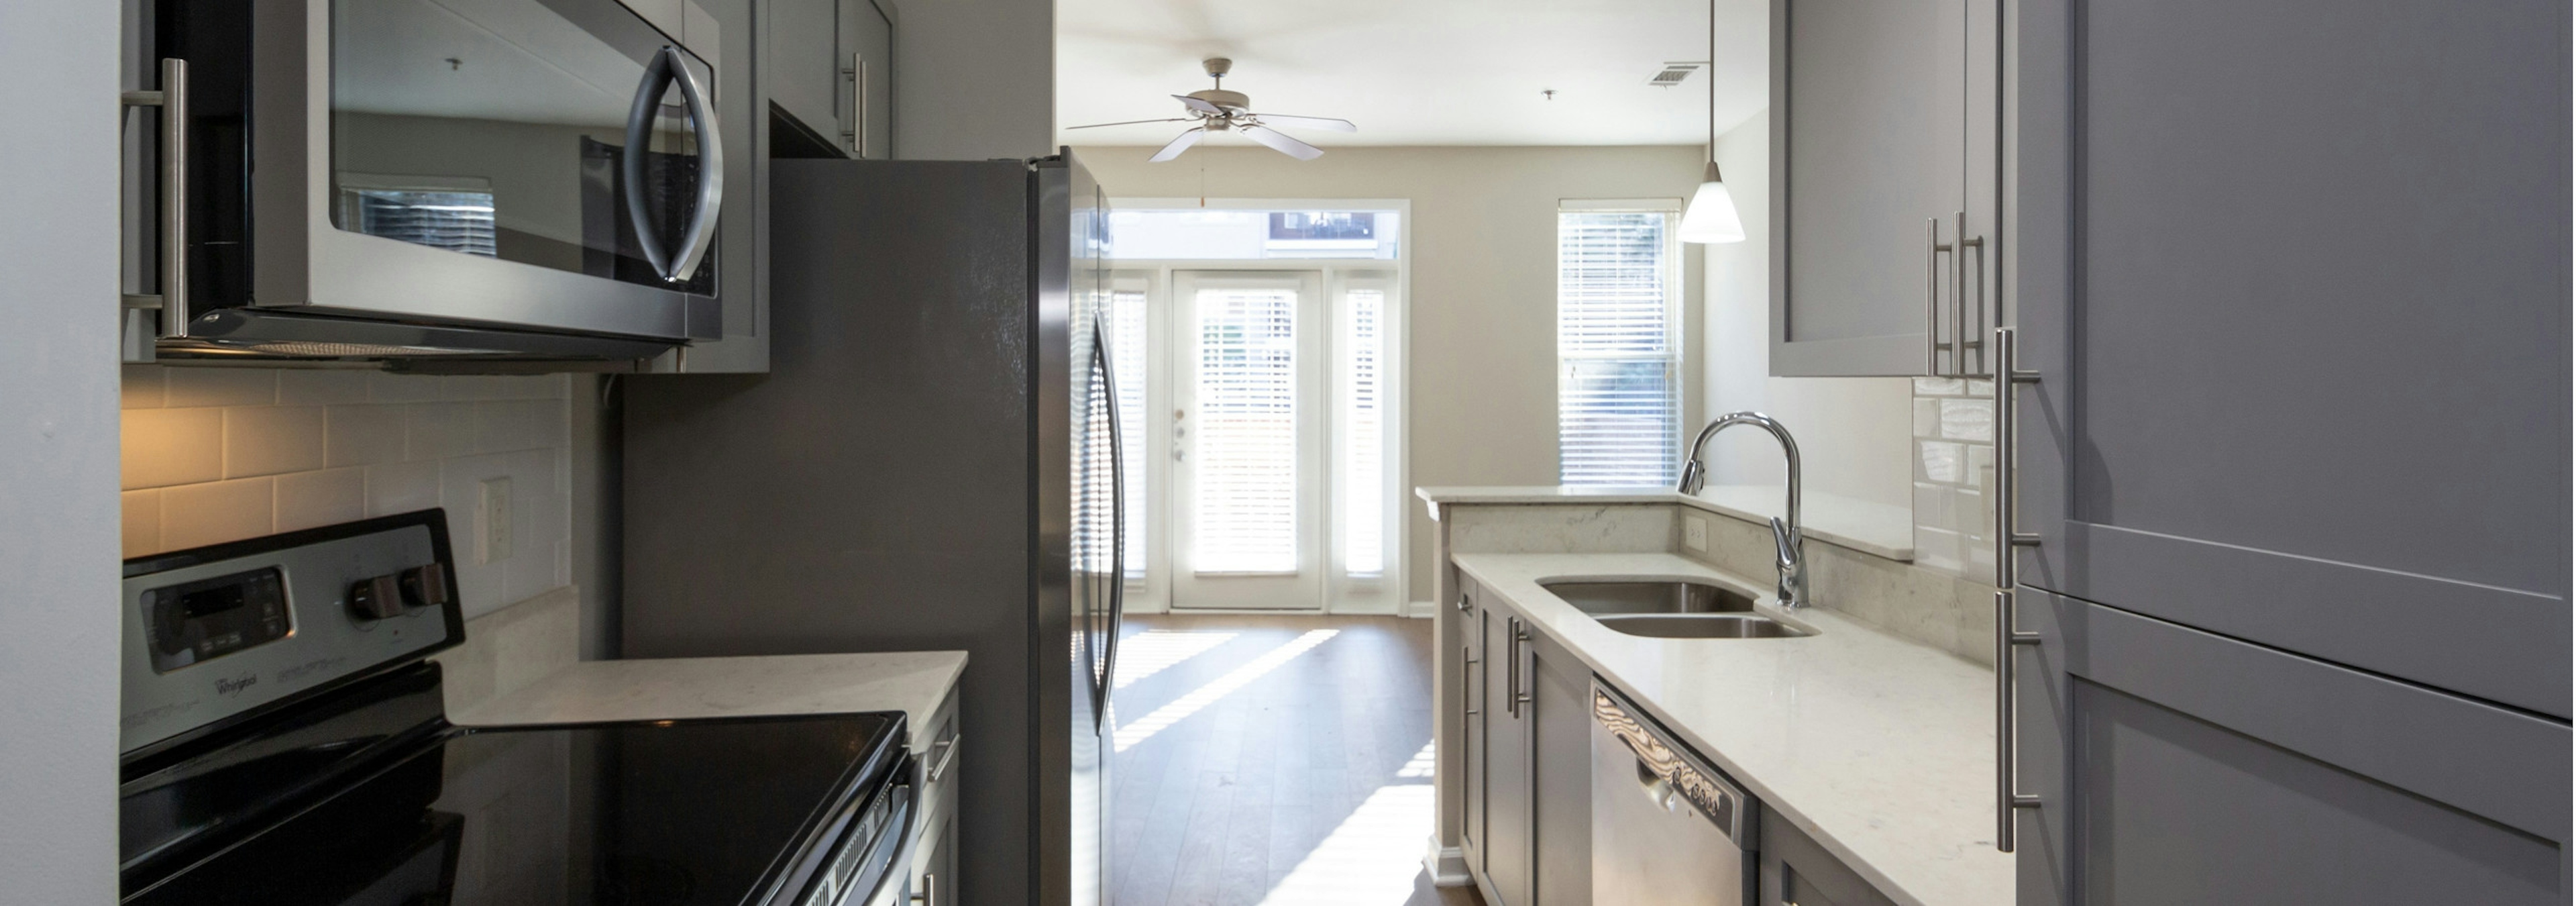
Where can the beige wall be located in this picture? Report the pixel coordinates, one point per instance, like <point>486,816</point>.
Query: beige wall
<point>1482,351</point>
<point>1854,434</point>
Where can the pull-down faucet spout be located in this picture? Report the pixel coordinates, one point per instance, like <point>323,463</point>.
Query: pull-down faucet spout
<point>1789,541</point>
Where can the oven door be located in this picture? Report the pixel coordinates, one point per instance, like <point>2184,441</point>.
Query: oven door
<point>545,165</point>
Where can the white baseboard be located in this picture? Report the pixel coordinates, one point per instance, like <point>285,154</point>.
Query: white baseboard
<point>1447,865</point>
<point>1420,610</point>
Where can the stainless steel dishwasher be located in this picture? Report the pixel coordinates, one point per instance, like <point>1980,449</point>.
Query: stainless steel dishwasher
<point>1667,828</point>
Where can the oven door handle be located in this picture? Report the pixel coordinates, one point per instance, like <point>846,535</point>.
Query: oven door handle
<point>891,886</point>
<point>666,68</point>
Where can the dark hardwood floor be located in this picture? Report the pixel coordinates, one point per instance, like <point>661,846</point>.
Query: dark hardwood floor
<point>1273,760</point>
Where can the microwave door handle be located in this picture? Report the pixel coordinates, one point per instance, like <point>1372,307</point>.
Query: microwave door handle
<point>632,162</point>
<point>702,223</point>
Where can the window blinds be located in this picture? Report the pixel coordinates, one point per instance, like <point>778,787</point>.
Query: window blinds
<point>1364,424</point>
<point>1246,519</point>
<point>1618,401</point>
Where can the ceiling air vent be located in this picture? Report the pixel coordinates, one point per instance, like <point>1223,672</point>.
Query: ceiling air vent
<point>1673,74</point>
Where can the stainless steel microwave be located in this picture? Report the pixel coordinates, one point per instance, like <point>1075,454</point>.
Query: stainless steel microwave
<point>401,178</point>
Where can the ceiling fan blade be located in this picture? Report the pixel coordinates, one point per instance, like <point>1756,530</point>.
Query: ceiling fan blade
<point>1177,146</point>
<point>1199,105</point>
<point>1175,119</point>
<point>1319,122</point>
<point>1280,142</point>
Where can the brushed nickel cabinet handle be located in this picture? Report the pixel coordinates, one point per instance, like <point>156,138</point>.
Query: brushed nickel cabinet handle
<point>172,301</point>
<point>2008,376</point>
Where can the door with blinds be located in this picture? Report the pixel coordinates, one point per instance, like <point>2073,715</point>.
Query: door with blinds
<point>1247,439</point>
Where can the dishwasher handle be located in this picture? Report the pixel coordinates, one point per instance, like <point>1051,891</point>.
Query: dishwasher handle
<point>1685,774</point>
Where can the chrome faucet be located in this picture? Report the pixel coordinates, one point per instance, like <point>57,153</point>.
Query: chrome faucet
<point>1790,542</point>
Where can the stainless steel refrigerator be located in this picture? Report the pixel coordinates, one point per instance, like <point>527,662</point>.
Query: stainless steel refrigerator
<point>932,462</point>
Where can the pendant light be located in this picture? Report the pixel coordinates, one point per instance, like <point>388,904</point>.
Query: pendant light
<point>1710,216</point>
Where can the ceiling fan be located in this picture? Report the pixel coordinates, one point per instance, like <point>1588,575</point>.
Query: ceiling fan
<point>1218,110</point>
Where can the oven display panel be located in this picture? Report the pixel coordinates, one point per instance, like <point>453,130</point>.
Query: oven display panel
<point>199,621</point>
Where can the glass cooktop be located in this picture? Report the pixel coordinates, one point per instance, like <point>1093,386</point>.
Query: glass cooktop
<point>686,812</point>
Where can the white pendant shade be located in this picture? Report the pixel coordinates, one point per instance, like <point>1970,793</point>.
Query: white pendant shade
<point>1711,216</point>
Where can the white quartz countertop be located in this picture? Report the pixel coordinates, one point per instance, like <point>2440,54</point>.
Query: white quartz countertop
<point>1881,749</point>
<point>1871,528</point>
<point>914,682</point>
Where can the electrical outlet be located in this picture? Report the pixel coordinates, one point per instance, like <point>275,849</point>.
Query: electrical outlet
<point>492,522</point>
<point>1695,533</point>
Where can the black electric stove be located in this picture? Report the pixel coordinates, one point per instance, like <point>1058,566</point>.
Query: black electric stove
<point>286,744</point>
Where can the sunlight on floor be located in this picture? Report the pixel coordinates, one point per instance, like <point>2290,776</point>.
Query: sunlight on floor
<point>1145,727</point>
<point>1420,764</point>
<point>1147,653</point>
<point>1370,860</point>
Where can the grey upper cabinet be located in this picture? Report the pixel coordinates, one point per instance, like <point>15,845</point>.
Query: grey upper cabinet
<point>1883,152</point>
<point>2297,299</point>
<point>866,90</point>
<point>829,67</point>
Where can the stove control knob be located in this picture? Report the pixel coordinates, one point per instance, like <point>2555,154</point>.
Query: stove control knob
<point>395,594</point>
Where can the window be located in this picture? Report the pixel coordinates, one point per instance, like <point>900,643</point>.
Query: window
<point>1127,357</point>
<point>1618,356</point>
<point>1200,234</point>
<point>1364,429</point>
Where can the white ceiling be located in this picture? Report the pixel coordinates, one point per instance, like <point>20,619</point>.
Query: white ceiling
<point>1415,72</point>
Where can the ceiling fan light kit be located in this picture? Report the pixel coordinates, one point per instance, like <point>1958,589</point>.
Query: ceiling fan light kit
<point>1218,110</point>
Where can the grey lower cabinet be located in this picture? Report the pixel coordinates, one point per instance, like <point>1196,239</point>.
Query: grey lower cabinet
<point>1472,705</point>
<point>2295,459</point>
<point>829,70</point>
<point>1560,713</point>
<point>1529,764</point>
<point>1883,153</point>
<point>1798,872</point>
<point>1507,842</point>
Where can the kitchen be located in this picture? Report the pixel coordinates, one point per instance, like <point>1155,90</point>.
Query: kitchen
<point>2089,586</point>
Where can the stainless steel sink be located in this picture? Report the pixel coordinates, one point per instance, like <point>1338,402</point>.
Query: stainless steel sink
<point>1702,626</point>
<point>1660,597</point>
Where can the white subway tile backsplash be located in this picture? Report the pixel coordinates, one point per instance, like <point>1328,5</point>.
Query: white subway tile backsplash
<point>1968,419</point>
<point>172,446</point>
<point>502,426</point>
<point>363,435</point>
<point>216,511</point>
<point>1940,461</point>
<point>267,440</point>
<point>1932,504</point>
<point>144,388</point>
<point>1968,515</point>
<point>401,487</point>
<point>221,454</point>
<point>142,512</point>
<point>211,386</point>
<point>438,430</point>
<point>321,386</point>
<point>531,386</point>
<point>327,497</point>
<point>1953,466</point>
<point>387,387</point>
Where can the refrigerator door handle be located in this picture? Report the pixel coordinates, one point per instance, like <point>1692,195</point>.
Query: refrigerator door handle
<point>1108,390</point>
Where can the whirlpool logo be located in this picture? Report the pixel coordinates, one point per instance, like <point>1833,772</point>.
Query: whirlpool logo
<point>234,686</point>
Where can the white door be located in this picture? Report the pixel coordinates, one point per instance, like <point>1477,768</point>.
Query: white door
<point>1247,440</point>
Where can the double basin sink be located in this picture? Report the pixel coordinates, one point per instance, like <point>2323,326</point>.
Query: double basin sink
<point>1671,609</point>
